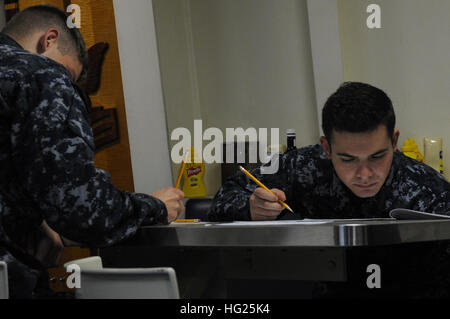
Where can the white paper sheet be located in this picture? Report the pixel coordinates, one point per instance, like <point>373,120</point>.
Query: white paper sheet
<point>295,222</point>
<point>272,223</point>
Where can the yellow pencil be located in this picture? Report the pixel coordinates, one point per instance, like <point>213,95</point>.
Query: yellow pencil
<point>187,220</point>
<point>180,173</point>
<point>262,185</point>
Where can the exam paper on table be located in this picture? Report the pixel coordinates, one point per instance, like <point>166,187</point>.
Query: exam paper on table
<point>294,222</point>
<point>272,222</point>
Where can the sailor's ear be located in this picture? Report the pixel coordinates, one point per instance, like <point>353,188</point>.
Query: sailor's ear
<point>325,146</point>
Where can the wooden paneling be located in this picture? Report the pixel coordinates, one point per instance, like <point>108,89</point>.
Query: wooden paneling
<point>98,25</point>
<point>23,4</point>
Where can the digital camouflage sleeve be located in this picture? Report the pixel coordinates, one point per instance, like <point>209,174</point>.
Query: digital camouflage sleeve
<point>47,162</point>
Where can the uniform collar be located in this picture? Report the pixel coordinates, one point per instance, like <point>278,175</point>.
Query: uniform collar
<point>394,168</point>
<point>6,39</point>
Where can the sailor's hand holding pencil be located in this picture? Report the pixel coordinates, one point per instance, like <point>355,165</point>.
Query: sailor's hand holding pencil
<point>265,204</point>
<point>173,198</point>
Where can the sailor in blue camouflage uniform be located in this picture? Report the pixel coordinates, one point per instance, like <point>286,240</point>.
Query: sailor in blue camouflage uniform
<point>48,180</point>
<point>313,190</point>
<point>355,172</point>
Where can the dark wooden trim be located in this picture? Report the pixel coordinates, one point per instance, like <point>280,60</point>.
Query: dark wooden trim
<point>66,4</point>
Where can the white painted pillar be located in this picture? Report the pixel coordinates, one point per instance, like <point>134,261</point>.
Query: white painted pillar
<point>146,118</point>
<point>326,50</point>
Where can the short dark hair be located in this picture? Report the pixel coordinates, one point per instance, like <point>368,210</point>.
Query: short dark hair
<point>357,107</point>
<point>43,17</point>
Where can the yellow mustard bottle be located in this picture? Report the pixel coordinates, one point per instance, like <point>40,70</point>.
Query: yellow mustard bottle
<point>411,149</point>
<point>193,176</point>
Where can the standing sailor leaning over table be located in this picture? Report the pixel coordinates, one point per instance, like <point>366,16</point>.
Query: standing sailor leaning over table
<point>48,182</point>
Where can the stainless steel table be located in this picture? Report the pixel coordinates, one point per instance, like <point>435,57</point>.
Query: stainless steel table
<point>213,259</point>
<point>312,233</point>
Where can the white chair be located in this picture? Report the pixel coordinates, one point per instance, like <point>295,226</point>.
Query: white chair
<point>4,291</point>
<point>97,282</point>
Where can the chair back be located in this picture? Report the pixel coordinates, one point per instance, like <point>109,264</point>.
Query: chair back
<point>198,208</point>
<point>97,282</point>
<point>89,263</point>
<point>143,283</point>
<point>4,290</point>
